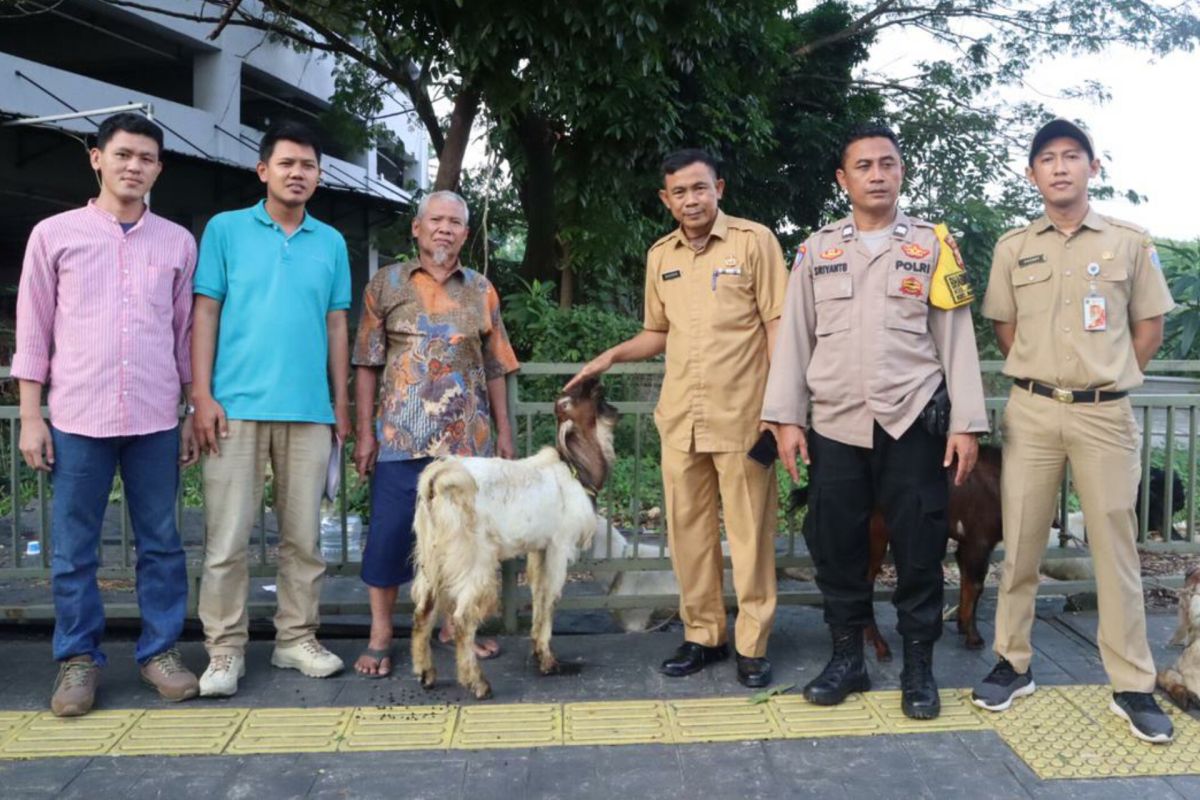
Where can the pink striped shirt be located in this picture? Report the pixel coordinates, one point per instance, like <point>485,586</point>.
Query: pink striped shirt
<point>104,316</point>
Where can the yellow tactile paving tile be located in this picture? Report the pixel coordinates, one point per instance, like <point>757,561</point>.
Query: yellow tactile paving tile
<point>958,714</point>
<point>1068,732</point>
<point>47,736</point>
<point>179,732</point>
<point>721,719</point>
<point>800,719</point>
<point>636,722</point>
<point>291,730</point>
<point>11,722</point>
<point>513,725</point>
<point>400,728</point>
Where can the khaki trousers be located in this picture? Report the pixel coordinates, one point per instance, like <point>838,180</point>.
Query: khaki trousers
<point>691,484</point>
<point>1101,442</point>
<point>233,486</point>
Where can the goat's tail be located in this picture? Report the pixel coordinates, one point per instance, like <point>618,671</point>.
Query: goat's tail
<point>444,524</point>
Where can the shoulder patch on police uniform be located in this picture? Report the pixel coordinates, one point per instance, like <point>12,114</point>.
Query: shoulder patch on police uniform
<point>950,287</point>
<point>801,251</point>
<point>1154,259</point>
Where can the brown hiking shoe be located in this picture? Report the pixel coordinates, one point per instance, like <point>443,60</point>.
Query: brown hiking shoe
<point>166,673</point>
<point>75,687</point>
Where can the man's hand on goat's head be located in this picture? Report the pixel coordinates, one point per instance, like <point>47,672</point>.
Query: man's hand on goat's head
<point>593,369</point>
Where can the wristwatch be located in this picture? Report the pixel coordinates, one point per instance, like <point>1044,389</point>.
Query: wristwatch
<point>189,409</point>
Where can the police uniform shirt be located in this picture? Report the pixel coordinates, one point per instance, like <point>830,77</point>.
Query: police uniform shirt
<point>859,342</point>
<point>713,305</point>
<point>1041,280</point>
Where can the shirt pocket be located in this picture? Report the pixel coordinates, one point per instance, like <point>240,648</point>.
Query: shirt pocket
<point>907,305</point>
<point>833,297</point>
<point>158,286</point>
<point>1031,289</point>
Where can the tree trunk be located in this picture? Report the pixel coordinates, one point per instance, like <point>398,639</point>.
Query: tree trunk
<point>566,294</point>
<point>450,159</point>
<point>535,188</point>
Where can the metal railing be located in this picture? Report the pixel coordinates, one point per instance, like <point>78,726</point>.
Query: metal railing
<point>634,536</point>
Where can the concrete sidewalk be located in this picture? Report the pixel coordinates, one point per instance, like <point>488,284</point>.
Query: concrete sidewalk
<point>617,667</point>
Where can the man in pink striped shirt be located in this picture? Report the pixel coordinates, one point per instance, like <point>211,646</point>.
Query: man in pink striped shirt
<point>104,317</point>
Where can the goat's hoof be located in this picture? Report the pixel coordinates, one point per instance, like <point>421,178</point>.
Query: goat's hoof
<point>428,679</point>
<point>483,691</point>
<point>561,668</point>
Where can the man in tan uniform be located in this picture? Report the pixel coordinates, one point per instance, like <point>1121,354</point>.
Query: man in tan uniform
<point>865,345</point>
<point>1077,300</point>
<point>714,293</point>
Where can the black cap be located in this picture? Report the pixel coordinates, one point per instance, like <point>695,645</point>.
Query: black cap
<point>1059,127</point>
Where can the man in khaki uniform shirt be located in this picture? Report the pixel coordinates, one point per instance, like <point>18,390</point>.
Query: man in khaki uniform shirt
<point>863,346</point>
<point>714,293</point>
<point>1078,301</point>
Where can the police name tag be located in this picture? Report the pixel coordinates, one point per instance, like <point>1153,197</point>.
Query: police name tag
<point>1095,313</point>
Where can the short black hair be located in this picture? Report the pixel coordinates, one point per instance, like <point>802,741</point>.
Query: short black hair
<point>869,130</point>
<point>686,157</point>
<point>289,130</point>
<point>130,123</point>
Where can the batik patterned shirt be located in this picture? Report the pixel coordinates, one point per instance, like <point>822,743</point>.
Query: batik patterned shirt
<point>439,344</point>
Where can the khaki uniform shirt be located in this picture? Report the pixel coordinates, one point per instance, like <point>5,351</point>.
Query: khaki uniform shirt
<point>1040,279</point>
<point>860,344</point>
<point>713,304</point>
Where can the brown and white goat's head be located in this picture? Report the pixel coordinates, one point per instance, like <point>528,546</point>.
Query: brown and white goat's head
<point>585,432</point>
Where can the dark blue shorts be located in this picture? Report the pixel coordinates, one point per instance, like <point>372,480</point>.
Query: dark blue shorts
<point>387,557</point>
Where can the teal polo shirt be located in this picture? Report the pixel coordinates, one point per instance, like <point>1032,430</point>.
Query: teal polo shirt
<point>275,290</point>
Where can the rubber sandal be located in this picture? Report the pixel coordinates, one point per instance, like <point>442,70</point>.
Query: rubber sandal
<point>379,655</point>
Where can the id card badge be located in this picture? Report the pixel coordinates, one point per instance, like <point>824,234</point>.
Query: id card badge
<point>1095,313</point>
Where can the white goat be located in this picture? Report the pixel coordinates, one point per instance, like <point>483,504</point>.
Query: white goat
<point>472,513</point>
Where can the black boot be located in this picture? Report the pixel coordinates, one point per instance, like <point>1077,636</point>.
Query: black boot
<point>919,694</point>
<point>845,673</point>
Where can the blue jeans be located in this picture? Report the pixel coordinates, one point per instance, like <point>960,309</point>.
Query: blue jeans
<point>83,476</point>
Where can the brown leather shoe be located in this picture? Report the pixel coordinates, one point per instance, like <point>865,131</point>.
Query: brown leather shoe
<point>75,687</point>
<point>166,673</point>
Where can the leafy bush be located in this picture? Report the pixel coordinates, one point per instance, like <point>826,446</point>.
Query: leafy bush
<point>1181,263</point>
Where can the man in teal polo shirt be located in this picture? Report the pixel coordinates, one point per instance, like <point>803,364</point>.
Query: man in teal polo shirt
<point>268,340</point>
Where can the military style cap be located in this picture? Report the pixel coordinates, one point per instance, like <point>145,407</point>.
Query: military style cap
<point>1061,127</point>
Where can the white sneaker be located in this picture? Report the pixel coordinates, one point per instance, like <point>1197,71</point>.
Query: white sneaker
<point>309,656</point>
<point>221,677</point>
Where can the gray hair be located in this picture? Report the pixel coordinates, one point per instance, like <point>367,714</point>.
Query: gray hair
<point>444,194</point>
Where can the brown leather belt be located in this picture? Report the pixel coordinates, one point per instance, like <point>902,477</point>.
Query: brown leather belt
<point>1068,395</point>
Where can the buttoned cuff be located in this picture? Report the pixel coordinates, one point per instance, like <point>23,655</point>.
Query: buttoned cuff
<point>28,367</point>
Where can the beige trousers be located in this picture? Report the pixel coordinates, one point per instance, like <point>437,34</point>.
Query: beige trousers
<point>692,483</point>
<point>233,486</point>
<point>1101,442</point>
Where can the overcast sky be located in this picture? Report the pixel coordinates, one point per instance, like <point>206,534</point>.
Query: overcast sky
<point>1148,133</point>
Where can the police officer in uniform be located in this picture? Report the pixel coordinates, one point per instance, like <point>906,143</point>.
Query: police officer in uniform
<point>714,293</point>
<point>1077,300</point>
<point>876,332</point>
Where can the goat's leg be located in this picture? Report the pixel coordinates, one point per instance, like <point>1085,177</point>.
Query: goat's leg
<point>1172,682</point>
<point>539,629</point>
<point>424,614</point>
<point>972,557</point>
<point>552,574</point>
<point>878,549</point>
<point>470,675</point>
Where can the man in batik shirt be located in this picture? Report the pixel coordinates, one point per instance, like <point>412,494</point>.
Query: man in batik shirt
<point>433,328</point>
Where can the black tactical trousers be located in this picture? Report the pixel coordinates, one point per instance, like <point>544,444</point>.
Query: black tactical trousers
<point>904,479</point>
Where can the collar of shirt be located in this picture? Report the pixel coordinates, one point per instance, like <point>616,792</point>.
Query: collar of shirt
<point>900,229</point>
<point>412,266</point>
<point>720,230</point>
<point>1092,220</point>
<point>260,214</point>
<point>116,229</point>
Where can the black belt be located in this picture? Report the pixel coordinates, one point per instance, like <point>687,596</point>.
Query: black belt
<point>1068,395</point>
